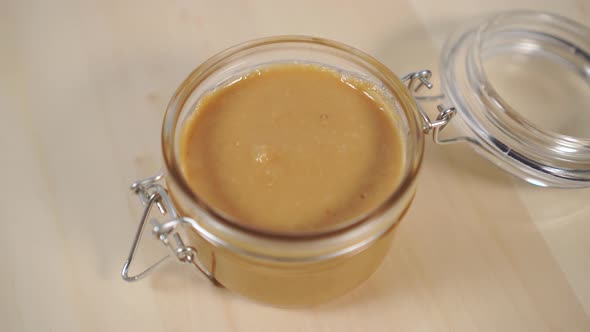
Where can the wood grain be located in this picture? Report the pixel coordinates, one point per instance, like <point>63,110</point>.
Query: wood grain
<point>83,88</point>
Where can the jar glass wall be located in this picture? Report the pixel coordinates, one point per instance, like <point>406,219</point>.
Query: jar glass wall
<point>290,269</point>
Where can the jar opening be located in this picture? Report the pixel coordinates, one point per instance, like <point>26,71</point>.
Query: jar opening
<point>286,49</point>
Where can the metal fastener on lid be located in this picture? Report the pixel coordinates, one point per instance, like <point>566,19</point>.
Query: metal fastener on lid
<point>150,193</point>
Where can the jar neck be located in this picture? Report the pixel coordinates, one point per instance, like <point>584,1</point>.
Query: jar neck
<point>222,231</point>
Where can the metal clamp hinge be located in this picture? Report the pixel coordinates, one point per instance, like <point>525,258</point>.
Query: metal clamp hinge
<point>415,81</point>
<point>151,193</point>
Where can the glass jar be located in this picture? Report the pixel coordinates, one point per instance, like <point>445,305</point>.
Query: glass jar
<point>284,269</point>
<point>295,270</point>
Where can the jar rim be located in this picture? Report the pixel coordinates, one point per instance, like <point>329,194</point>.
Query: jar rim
<point>179,99</point>
<point>540,156</point>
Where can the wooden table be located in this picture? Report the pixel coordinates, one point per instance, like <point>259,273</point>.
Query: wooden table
<point>83,89</point>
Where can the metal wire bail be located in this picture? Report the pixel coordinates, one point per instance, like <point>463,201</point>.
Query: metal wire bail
<point>151,193</point>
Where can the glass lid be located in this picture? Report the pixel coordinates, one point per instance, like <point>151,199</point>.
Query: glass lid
<point>520,82</point>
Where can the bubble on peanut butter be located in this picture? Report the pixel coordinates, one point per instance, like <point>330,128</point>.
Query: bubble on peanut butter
<point>263,153</point>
